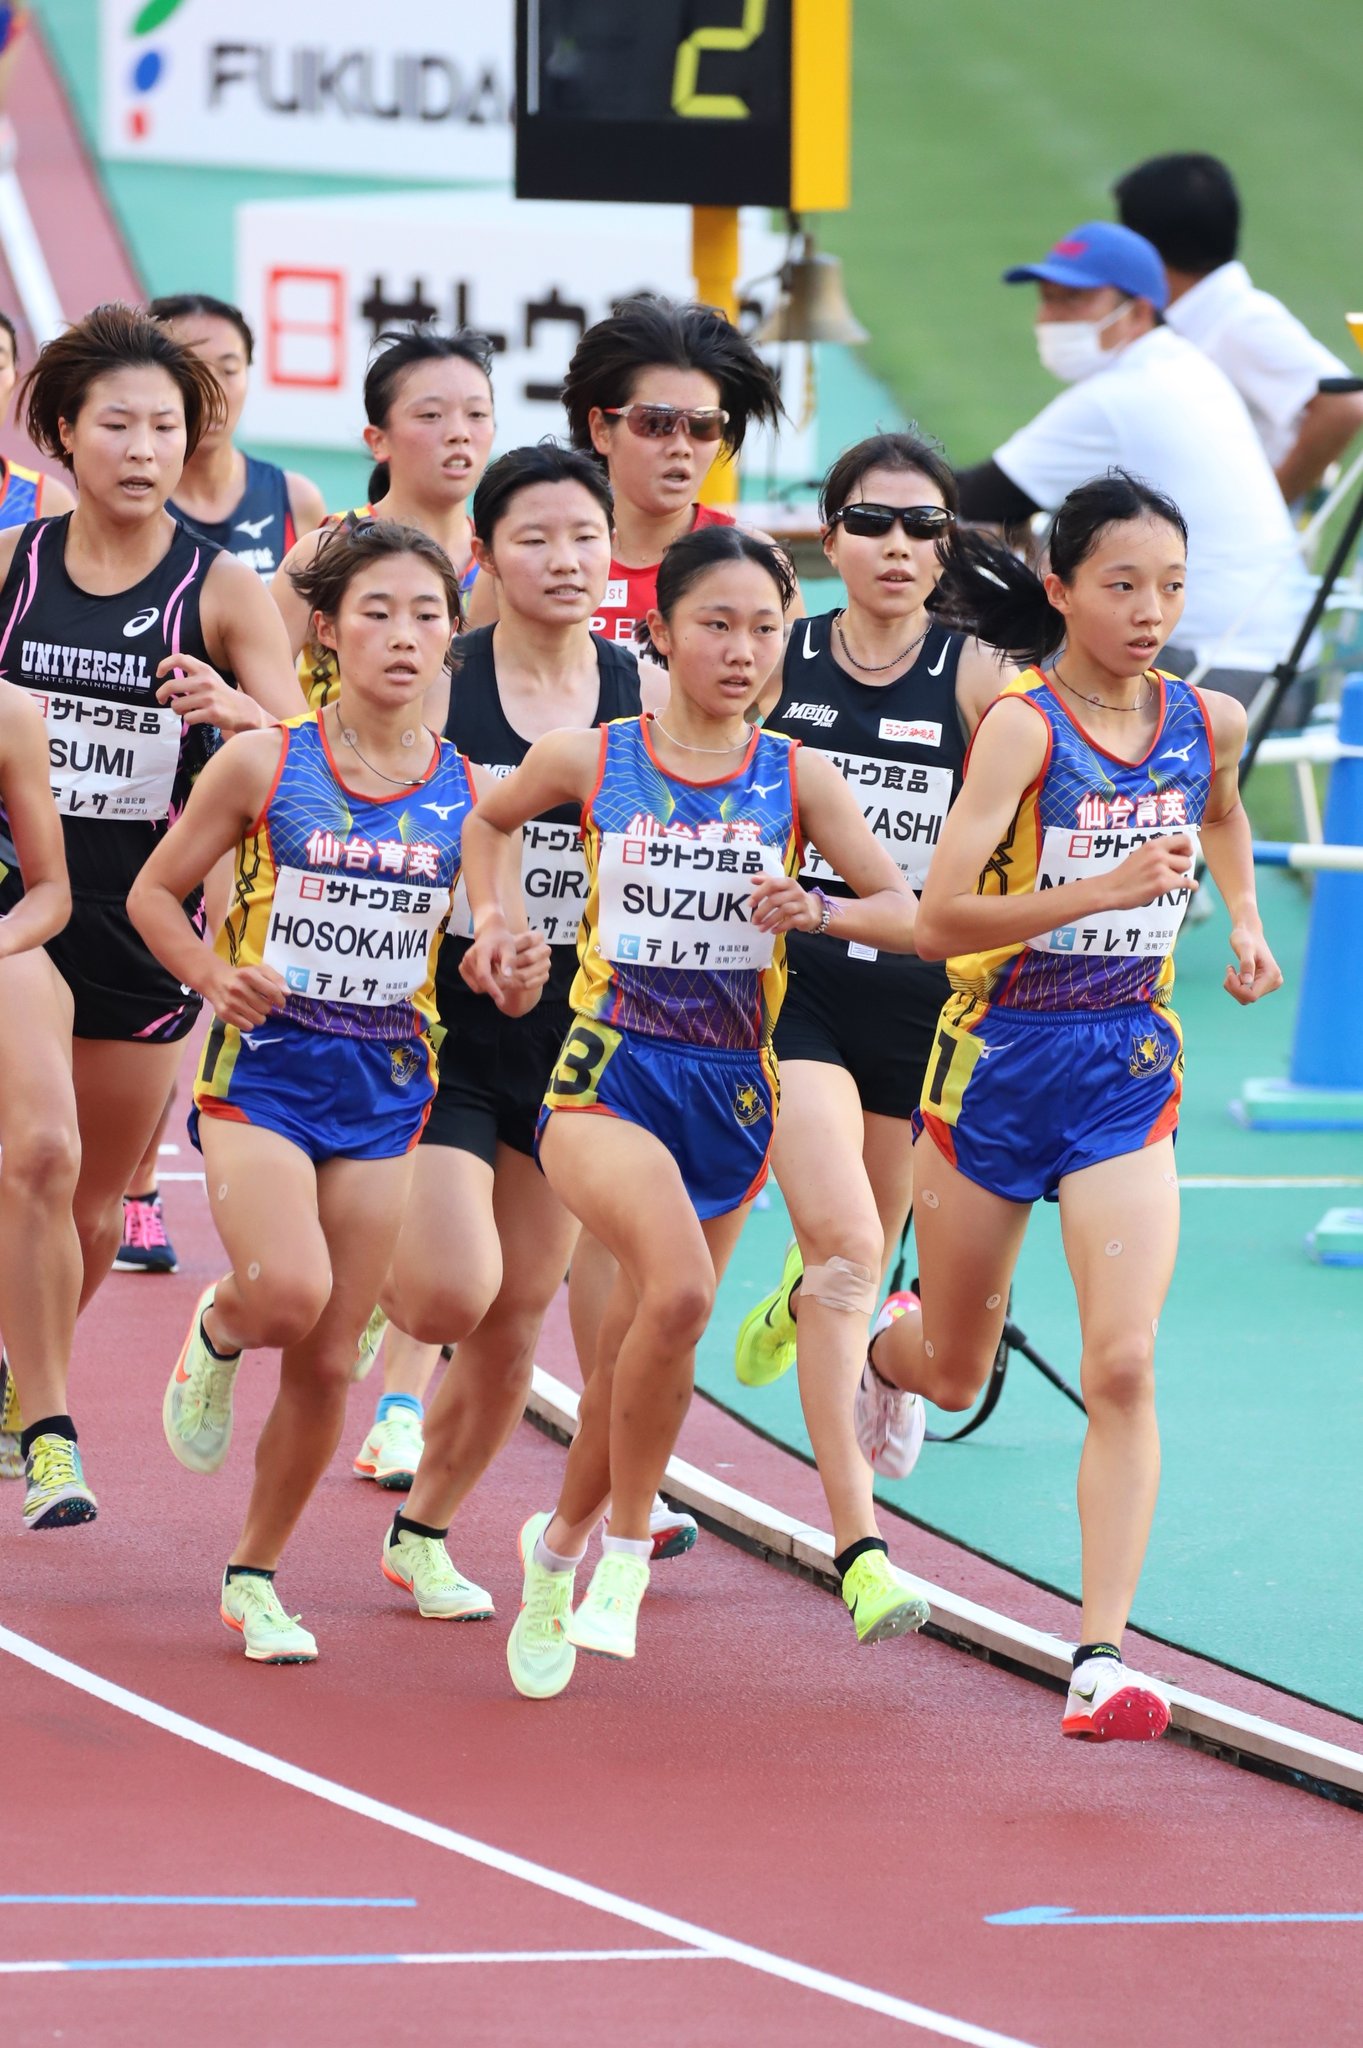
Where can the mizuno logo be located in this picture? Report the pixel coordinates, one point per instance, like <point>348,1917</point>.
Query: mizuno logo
<point>765,788</point>
<point>254,527</point>
<point>1180,753</point>
<point>813,714</point>
<point>141,621</point>
<point>442,811</point>
<point>255,1043</point>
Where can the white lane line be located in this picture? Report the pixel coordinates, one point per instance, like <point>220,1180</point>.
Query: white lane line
<point>1266,1180</point>
<point>767,1964</point>
<point>83,1964</point>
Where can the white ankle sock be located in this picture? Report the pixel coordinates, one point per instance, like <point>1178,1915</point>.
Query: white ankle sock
<point>633,1546</point>
<point>550,1561</point>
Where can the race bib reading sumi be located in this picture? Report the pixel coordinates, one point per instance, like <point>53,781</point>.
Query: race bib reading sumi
<point>671,902</point>
<point>1070,856</point>
<point>350,939</point>
<point>110,760</point>
<point>904,805</point>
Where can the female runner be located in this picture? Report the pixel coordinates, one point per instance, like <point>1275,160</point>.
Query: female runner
<point>24,493</point>
<point>542,526</point>
<point>1058,888</point>
<point>347,834</point>
<point>428,401</point>
<point>658,1118</point>
<point>110,617</point>
<point>256,511</point>
<point>893,698</point>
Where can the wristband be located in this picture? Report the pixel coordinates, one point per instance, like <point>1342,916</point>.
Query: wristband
<point>826,914</point>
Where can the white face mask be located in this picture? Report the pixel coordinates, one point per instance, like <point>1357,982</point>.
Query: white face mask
<point>1071,349</point>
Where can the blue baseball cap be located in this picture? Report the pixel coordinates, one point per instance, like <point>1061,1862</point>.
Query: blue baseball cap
<point>1098,252</point>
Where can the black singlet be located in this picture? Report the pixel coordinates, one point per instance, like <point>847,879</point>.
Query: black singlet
<point>553,871</point>
<point>259,530</point>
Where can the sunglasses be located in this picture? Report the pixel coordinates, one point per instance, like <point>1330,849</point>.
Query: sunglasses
<point>872,522</point>
<point>660,422</point>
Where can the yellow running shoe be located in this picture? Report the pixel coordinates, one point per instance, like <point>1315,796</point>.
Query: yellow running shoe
<point>57,1494</point>
<point>251,1606</point>
<point>765,1347</point>
<point>881,1602</point>
<point>196,1413</point>
<point>392,1451</point>
<point>11,1425</point>
<point>423,1567</point>
<point>539,1655</point>
<point>368,1348</point>
<point>607,1621</point>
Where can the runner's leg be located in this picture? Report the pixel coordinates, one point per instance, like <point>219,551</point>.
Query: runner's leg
<point>121,1090</point>
<point>38,1174</point>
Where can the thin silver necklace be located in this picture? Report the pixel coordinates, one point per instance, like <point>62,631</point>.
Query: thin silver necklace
<point>876,669</point>
<point>1102,702</point>
<point>397,781</point>
<point>687,747</point>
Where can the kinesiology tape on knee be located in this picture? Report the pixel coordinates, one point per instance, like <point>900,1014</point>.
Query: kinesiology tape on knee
<point>840,1284</point>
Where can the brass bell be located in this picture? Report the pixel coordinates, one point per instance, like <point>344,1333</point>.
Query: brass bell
<point>813,304</point>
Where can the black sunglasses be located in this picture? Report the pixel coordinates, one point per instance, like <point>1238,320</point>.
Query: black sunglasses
<point>871,522</point>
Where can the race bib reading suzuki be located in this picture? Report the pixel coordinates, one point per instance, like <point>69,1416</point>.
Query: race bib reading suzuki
<point>672,901</point>
<point>110,760</point>
<point>904,805</point>
<point>1069,856</point>
<point>350,938</point>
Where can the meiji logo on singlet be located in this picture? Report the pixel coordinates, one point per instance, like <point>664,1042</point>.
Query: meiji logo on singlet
<point>141,622</point>
<point>85,665</point>
<point>921,732</point>
<point>1103,814</point>
<point>813,714</point>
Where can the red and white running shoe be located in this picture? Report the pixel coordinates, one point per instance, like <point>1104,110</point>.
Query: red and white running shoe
<point>1108,1703</point>
<point>890,1423</point>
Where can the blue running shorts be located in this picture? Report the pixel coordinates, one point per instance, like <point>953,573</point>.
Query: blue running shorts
<point>332,1097</point>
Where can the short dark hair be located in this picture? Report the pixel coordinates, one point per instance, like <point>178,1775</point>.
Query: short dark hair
<point>12,331</point>
<point>112,337</point>
<point>705,548</point>
<point>646,330</point>
<point>907,451</point>
<point>987,591</point>
<point>203,306</point>
<point>394,353</point>
<point>350,546</point>
<point>544,462</point>
<point>1187,205</point>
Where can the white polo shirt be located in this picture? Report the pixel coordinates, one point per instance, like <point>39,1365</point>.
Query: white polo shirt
<point>1272,360</point>
<point>1162,410</point>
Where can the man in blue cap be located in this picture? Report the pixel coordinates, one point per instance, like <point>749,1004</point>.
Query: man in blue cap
<point>1142,398</point>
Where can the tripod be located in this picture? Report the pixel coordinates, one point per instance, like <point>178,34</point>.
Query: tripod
<point>1013,1339</point>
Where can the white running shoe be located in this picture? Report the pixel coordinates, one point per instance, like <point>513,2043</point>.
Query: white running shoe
<point>1108,1703</point>
<point>672,1529</point>
<point>539,1655</point>
<point>251,1606</point>
<point>392,1451</point>
<point>423,1567</point>
<point>890,1423</point>
<point>607,1621</point>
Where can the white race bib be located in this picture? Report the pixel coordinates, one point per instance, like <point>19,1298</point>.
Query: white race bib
<point>675,902</point>
<point>110,759</point>
<point>904,805</point>
<point>553,882</point>
<point>1070,856</point>
<point>350,938</point>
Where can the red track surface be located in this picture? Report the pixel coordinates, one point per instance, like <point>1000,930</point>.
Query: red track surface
<point>752,1773</point>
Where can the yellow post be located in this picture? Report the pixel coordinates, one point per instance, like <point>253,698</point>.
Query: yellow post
<point>714,263</point>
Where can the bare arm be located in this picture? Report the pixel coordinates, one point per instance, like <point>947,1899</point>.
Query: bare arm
<point>243,633</point>
<point>290,606</point>
<point>1329,422</point>
<point>511,964</point>
<point>306,503</point>
<point>482,604</point>
<point>559,769</point>
<point>980,677</point>
<point>953,917</point>
<point>35,827</point>
<point>54,497</point>
<point>223,805</point>
<point>883,910</point>
<point>1228,847</point>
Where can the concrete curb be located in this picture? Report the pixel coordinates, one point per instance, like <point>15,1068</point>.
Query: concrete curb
<point>1244,1737</point>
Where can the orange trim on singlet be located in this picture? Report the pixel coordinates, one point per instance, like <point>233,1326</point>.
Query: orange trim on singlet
<point>262,818</point>
<point>687,781</point>
<point>1096,745</point>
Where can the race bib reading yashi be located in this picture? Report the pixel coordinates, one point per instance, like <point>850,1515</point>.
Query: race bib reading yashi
<point>108,759</point>
<point>904,805</point>
<point>1070,856</point>
<point>672,902</point>
<point>350,938</point>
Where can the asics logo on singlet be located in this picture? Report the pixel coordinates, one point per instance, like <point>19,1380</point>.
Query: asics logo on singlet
<point>141,622</point>
<point>255,527</point>
<point>813,714</point>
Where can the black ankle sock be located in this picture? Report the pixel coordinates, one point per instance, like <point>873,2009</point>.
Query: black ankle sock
<point>247,1571</point>
<point>51,1425</point>
<point>845,1559</point>
<point>223,1357</point>
<point>403,1522</point>
<point>152,1192</point>
<point>1096,1650</point>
